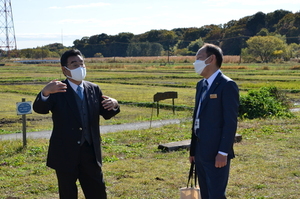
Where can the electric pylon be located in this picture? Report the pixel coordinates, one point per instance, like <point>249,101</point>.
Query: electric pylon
<point>7,30</point>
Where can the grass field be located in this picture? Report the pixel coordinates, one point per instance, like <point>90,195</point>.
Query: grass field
<point>267,160</point>
<point>121,80</point>
<point>266,164</point>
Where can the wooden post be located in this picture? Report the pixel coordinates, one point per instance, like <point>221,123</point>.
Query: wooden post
<point>173,106</point>
<point>24,126</point>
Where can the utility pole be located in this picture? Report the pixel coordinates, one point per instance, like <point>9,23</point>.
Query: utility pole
<point>7,30</point>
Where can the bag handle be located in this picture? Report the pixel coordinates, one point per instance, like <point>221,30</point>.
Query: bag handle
<point>192,169</point>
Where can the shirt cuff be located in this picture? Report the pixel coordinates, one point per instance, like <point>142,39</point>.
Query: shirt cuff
<point>115,109</point>
<point>43,97</point>
<point>222,153</point>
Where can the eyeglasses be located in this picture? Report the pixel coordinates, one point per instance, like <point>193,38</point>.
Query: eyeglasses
<point>76,64</point>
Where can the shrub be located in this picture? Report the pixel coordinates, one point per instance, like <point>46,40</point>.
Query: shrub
<point>264,102</point>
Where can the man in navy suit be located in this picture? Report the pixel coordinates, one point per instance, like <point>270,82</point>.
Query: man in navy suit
<point>214,123</point>
<point>74,148</point>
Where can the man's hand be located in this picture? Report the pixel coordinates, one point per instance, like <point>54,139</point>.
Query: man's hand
<point>109,103</point>
<point>221,161</point>
<point>54,87</point>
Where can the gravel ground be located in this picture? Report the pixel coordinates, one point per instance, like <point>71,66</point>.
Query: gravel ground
<point>103,129</point>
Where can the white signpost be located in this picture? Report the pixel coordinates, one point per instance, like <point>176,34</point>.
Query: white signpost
<point>24,108</point>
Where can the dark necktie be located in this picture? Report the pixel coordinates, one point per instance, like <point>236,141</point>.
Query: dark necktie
<point>202,97</point>
<point>204,90</point>
<point>79,92</point>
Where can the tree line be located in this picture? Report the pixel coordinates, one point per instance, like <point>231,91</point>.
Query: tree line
<point>234,37</point>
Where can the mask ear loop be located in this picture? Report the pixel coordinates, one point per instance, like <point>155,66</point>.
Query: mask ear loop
<point>207,58</point>
<point>68,70</point>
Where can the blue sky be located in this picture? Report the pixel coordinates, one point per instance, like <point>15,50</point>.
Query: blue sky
<point>39,22</point>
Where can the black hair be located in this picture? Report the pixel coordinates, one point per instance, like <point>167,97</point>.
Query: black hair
<point>212,49</point>
<point>67,54</point>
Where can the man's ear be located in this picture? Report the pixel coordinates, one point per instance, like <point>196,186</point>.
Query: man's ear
<point>212,59</point>
<point>64,70</point>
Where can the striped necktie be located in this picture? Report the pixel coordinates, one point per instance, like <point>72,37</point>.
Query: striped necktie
<point>204,90</point>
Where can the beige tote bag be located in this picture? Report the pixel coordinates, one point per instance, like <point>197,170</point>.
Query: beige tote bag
<point>192,192</point>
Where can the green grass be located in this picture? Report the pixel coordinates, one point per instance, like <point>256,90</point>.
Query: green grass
<point>136,83</point>
<point>36,122</point>
<point>267,160</point>
<point>266,164</point>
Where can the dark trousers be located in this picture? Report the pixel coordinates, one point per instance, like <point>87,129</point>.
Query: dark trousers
<point>89,175</point>
<point>213,181</point>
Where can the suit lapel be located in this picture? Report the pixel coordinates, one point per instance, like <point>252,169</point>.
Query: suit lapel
<point>89,96</point>
<point>212,88</point>
<point>198,94</point>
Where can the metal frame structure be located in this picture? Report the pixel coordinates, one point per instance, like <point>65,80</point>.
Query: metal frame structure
<point>7,30</point>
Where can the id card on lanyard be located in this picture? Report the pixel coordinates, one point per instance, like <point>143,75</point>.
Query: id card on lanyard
<point>202,97</point>
<point>197,120</point>
<point>197,124</point>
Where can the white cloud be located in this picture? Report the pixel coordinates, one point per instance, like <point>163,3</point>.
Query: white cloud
<point>257,3</point>
<point>89,5</point>
<point>37,36</point>
<point>55,7</point>
<point>268,2</point>
<point>103,23</point>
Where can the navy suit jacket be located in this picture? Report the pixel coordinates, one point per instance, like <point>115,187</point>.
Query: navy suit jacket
<point>66,135</point>
<point>218,119</point>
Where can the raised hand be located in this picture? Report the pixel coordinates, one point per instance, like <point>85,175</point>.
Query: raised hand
<point>109,103</point>
<point>54,87</point>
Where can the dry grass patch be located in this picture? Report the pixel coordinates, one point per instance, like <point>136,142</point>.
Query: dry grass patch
<point>234,67</point>
<point>297,67</point>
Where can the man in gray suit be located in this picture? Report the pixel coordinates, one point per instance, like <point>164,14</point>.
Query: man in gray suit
<point>74,149</point>
<point>214,123</point>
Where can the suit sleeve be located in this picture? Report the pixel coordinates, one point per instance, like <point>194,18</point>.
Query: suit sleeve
<point>40,106</point>
<point>106,114</point>
<point>230,104</point>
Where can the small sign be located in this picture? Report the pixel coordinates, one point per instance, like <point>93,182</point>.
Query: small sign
<point>166,95</point>
<point>24,108</point>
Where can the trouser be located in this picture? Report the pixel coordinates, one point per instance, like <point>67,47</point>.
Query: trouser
<point>213,181</point>
<point>87,172</point>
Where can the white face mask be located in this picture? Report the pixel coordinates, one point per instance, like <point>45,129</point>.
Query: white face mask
<point>199,65</point>
<point>78,74</point>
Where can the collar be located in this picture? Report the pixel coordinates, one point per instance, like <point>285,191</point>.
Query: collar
<point>74,86</point>
<point>211,79</point>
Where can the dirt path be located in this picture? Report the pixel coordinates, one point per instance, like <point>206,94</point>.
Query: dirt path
<point>103,129</point>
